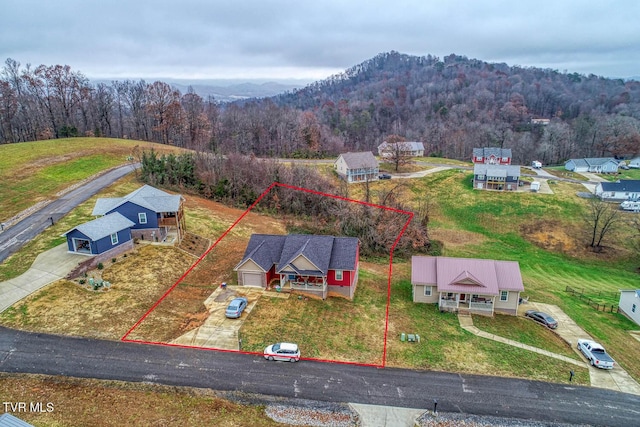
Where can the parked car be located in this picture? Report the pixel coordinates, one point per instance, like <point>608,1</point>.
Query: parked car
<point>285,351</point>
<point>542,318</point>
<point>595,354</point>
<point>236,307</point>
<point>384,176</point>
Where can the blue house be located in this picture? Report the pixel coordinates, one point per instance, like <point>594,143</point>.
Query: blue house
<point>152,211</point>
<point>109,234</point>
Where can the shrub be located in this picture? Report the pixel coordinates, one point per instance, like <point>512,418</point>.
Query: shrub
<point>82,281</point>
<point>113,260</point>
<point>100,266</point>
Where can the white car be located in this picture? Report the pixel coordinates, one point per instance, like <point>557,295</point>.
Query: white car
<point>285,351</point>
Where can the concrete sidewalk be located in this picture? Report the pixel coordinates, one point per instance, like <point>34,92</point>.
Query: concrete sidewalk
<point>48,267</point>
<point>615,379</point>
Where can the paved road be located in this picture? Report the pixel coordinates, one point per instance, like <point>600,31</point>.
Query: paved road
<point>25,352</point>
<point>13,238</point>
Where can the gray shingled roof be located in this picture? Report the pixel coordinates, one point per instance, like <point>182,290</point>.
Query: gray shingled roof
<point>363,159</point>
<point>103,226</point>
<point>496,170</point>
<point>627,185</point>
<point>146,196</point>
<point>325,252</point>
<point>599,161</point>
<point>489,151</point>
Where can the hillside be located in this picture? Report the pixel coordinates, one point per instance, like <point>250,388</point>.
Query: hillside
<point>451,104</point>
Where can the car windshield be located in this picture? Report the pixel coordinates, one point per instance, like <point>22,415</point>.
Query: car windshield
<point>549,319</point>
<point>275,347</point>
<point>232,306</point>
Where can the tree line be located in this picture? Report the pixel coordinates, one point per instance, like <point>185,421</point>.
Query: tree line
<point>239,180</point>
<point>451,104</point>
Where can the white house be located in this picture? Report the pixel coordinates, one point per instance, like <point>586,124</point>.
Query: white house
<point>596,165</point>
<point>630,304</point>
<point>624,189</point>
<point>408,148</point>
<point>357,167</point>
<point>634,163</point>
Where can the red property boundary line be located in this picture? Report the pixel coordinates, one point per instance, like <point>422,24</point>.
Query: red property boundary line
<point>264,193</point>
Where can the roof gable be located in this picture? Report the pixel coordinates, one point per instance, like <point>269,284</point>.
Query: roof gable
<point>146,196</point>
<point>466,275</point>
<point>103,226</point>
<point>299,252</point>
<point>364,159</point>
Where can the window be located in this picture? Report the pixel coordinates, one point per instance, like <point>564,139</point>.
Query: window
<point>428,290</point>
<point>504,295</point>
<point>633,308</point>
<point>338,274</point>
<point>142,218</point>
<point>480,178</point>
<point>114,239</point>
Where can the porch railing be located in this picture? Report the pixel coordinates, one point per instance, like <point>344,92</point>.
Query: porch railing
<point>481,306</point>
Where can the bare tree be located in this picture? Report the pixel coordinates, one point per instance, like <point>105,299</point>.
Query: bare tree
<point>396,151</point>
<point>601,218</point>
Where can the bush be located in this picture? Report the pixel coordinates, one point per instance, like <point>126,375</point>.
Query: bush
<point>82,281</point>
<point>100,266</point>
<point>113,260</point>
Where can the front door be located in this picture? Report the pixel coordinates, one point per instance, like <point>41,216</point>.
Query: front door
<point>463,297</point>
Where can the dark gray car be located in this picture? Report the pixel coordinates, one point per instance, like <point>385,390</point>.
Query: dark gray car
<point>542,318</point>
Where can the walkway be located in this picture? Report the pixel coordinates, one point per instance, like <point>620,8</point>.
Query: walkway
<point>615,379</point>
<point>48,267</point>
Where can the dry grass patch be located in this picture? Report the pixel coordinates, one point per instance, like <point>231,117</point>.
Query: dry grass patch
<point>456,237</point>
<point>83,402</point>
<point>65,307</point>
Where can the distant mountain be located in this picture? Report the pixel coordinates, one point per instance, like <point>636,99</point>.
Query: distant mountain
<point>225,90</point>
<point>237,91</point>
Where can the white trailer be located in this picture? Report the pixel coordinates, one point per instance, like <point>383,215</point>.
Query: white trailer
<point>536,164</point>
<point>535,186</point>
<point>629,205</point>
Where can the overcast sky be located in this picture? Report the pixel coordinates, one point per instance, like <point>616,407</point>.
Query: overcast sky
<point>311,40</point>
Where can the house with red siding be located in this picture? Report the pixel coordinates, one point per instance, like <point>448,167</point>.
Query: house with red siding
<point>492,156</point>
<point>477,286</point>
<point>318,266</point>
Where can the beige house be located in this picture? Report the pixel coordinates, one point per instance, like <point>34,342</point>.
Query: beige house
<point>357,167</point>
<point>477,286</point>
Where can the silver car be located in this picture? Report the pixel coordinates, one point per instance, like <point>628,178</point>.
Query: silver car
<point>236,307</point>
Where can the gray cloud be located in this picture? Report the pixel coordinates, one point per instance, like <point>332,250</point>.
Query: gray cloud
<point>311,40</point>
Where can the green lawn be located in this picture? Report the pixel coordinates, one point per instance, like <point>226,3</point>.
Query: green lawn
<point>35,171</point>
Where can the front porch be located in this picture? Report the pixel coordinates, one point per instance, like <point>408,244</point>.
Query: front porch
<point>314,286</point>
<point>470,303</point>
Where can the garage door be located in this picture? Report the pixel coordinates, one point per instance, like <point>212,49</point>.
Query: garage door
<point>252,279</point>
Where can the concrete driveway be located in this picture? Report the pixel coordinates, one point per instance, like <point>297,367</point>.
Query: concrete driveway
<point>217,331</point>
<point>614,379</point>
<point>48,267</point>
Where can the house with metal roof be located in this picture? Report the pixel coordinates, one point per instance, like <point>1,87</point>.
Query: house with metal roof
<point>621,190</point>
<point>318,266</point>
<point>629,304</point>
<point>153,212</point>
<point>406,148</point>
<point>492,156</point>
<point>478,286</point>
<point>109,234</point>
<point>496,177</point>
<point>8,420</point>
<point>594,165</point>
<point>357,167</point>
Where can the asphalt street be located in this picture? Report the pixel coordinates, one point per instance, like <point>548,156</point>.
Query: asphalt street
<point>24,352</point>
<point>13,238</point>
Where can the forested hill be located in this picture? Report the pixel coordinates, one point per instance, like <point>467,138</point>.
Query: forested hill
<point>457,103</point>
<point>451,104</point>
